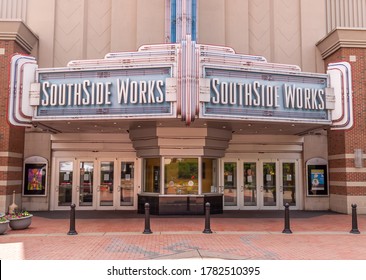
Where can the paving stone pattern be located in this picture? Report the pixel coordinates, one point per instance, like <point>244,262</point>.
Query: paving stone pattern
<point>255,236</point>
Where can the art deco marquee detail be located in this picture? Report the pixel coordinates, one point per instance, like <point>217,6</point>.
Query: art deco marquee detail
<point>186,81</point>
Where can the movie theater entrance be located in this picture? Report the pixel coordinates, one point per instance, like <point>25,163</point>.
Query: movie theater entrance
<point>261,183</point>
<point>94,184</point>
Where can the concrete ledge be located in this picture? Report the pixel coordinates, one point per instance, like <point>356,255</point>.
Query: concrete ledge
<point>342,38</point>
<point>15,30</point>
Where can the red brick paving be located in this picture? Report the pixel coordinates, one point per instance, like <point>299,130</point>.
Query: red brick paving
<point>317,237</point>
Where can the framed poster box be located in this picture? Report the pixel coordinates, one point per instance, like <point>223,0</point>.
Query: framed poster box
<point>35,176</point>
<point>317,177</point>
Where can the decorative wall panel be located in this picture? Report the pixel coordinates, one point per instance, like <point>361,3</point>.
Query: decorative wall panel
<point>13,9</point>
<point>287,40</point>
<point>346,13</point>
<point>69,31</point>
<point>98,28</point>
<point>260,28</point>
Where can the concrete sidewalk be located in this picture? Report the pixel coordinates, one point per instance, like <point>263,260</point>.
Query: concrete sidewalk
<point>255,235</point>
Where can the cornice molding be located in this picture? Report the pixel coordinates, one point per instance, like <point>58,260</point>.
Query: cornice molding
<point>342,38</point>
<point>16,30</point>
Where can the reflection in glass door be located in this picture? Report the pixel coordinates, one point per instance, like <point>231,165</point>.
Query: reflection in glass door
<point>126,188</point>
<point>249,191</point>
<point>269,190</point>
<point>230,184</point>
<point>86,180</point>
<point>65,183</point>
<point>106,183</point>
<point>289,183</point>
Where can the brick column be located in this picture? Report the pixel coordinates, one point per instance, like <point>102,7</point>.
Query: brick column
<point>348,183</point>
<point>15,37</point>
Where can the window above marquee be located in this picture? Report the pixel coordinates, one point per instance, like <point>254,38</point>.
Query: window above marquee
<point>181,20</point>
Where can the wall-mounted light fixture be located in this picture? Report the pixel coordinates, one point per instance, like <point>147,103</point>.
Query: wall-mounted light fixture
<point>358,158</point>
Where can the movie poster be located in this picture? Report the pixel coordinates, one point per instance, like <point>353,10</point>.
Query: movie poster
<point>34,179</point>
<point>317,180</point>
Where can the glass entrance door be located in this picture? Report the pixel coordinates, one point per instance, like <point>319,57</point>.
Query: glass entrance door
<point>85,189</point>
<point>249,191</point>
<point>116,184</point>
<point>92,183</point>
<point>230,187</point>
<point>106,185</point>
<point>269,192</point>
<point>260,184</point>
<point>126,189</point>
<point>64,185</point>
<point>288,183</point>
<point>260,187</point>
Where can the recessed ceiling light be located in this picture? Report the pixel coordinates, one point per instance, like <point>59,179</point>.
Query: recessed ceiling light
<point>249,124</point>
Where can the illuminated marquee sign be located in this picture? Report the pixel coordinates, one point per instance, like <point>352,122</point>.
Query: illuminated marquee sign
<point>108,92</point>
<point>186,81</point>
<point>240,94</point>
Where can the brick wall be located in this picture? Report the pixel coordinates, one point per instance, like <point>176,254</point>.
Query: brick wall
<point>348,180</point>
<point>11,137</point>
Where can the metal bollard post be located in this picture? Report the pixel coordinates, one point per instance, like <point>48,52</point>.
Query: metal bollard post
<point>354,229</point>
<point>207,219</point>
<point>72,230</point>
<point>287,219</point>
<point>147,229</point>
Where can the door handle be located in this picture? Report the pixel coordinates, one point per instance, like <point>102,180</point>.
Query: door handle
<point>281,189</point>
<point>242,188</point>
<point>261,188</point>
<point>77,189</point>
<point>119,188</point>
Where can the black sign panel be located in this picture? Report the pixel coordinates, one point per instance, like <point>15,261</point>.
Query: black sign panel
<point>35,179</point>
<point>317,180</point>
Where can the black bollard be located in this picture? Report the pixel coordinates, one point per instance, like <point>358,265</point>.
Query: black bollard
<point>72,230</point>
<point>207,219</point>
<point>354,229</point>
<point>147,229</point>
<point>287,219</point>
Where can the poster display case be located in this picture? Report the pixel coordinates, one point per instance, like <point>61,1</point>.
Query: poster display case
<point>35,176</point>
<point>317,177</point>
